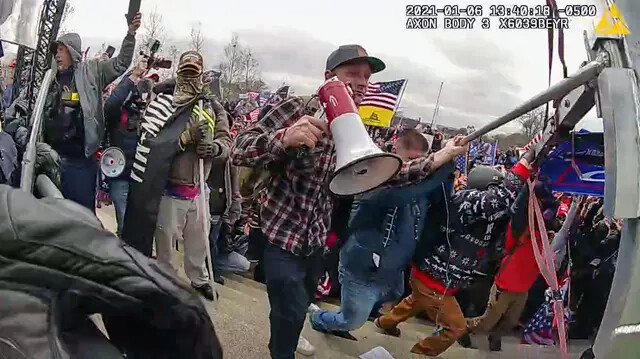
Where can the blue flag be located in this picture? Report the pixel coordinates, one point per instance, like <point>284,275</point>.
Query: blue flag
<point>576,166</point>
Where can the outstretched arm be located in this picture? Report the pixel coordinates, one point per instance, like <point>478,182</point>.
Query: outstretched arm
<point>416,170</point>
<point>111,69</point>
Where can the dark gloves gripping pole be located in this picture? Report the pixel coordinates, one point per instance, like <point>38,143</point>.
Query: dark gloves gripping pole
<point>208,149</point>
<point>48,163</point>
<point>194,133</point>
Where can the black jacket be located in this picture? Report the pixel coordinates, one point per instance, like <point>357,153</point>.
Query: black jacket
<point>58,266</point>
<point>123,135</point>
<point>474,220</point>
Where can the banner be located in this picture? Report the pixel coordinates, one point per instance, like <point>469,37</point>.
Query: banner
<point>576,166</point>
<point>157,147</point>
<point>19,21</point>
<point>483,153</point>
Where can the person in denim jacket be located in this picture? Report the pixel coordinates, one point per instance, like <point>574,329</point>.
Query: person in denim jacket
<point>383,231</point>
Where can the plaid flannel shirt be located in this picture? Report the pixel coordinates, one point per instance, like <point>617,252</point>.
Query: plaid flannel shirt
<point>296,206</point>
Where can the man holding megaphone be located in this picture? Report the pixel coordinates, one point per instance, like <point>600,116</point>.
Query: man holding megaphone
<point>295,207</point>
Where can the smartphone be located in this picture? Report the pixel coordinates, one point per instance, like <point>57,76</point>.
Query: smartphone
<point>110,51</point>
<point>134,8</point>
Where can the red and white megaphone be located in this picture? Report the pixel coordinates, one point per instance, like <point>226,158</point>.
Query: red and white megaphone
<point>360,165</point>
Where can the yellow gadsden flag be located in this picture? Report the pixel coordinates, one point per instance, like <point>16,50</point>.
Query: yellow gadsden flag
<point>612,23</point>
<point>380,102</point>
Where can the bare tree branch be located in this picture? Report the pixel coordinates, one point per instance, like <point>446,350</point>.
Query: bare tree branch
<point>174,53</point>
<point>231,68</point>
<point>197,38</point>
<point>154,29</point>
<point>251,71</point>
<point>68,10</point>
<point>532,122</point>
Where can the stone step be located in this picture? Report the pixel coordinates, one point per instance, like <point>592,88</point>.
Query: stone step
<point>369,337</point>
<point>241,319</point>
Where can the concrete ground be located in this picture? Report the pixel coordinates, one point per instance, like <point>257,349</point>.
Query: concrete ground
<point>241,319</point>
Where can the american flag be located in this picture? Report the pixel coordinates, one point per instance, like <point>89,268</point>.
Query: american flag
<point>264,98</point>
<point>540,329</point>
<point>383,94</point>
<point>253,115</point>
<point>533,141</point>
<point>461,163</point>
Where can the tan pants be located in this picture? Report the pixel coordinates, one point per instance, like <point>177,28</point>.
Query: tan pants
<point>442,309</point>
<point>182,219</point>
<point>502,313</point>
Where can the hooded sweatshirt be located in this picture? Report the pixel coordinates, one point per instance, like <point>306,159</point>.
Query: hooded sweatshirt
<point>90,78</point>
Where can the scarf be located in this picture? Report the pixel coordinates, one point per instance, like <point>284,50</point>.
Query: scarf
<point>187,88</point>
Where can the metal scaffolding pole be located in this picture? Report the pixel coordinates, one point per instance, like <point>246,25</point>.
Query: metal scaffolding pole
<point>32,64</point>
<point>619,106</point>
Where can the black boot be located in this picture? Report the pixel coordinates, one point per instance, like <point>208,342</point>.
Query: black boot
<point>205,290</point>
<point>587,354</point>
<point>495,343</point>
<point>465,341</point>
<point>218,278</point>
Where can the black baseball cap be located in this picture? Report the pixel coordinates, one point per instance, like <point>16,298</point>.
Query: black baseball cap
<point>348,53</point>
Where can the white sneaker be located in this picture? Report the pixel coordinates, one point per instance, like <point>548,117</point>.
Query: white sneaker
<point>304,347</point>
<point>313,308</point>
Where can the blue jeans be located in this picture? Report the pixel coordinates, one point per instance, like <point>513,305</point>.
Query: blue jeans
<point>234,262</point>
<point>291,285</point>
<point>358,298</point>
<point>79,176</point>
<point>119,191</point>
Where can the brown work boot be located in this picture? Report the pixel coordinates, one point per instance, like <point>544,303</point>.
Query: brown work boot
<point>465,341</point>
<point>394,332</point>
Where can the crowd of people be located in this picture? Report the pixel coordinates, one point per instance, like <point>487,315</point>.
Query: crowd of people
<point>453,248</point>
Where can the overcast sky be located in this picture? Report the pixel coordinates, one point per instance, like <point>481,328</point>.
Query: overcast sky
<point>486,72</point>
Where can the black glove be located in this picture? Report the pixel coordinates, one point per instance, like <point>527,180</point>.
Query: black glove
<point>195,133</point>
<point>208,150</point>
<point>48,163</point>
<point>21,137</point>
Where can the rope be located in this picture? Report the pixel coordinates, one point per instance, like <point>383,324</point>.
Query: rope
<point>555,13</point>
<point>545,259</point>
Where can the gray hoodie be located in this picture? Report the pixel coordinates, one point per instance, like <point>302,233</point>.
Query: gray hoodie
<point>91,78</point>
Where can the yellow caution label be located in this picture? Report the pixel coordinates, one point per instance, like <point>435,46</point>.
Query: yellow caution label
<point>75,96</point>
<point>612,23</point>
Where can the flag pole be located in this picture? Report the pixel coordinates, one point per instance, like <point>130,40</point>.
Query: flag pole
<point>404,86</point>
<point>204,210</point>
<point>437,108</point>
<point>494,154</point>
<point>399,101</point>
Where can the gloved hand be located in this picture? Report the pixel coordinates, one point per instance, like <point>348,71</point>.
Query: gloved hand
<point>208,149</point>
<point>195,133</point>
<point>21,137</point>
<point>48,163</point>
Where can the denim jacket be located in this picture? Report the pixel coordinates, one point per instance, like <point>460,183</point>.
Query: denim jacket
<point>385,226</point>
